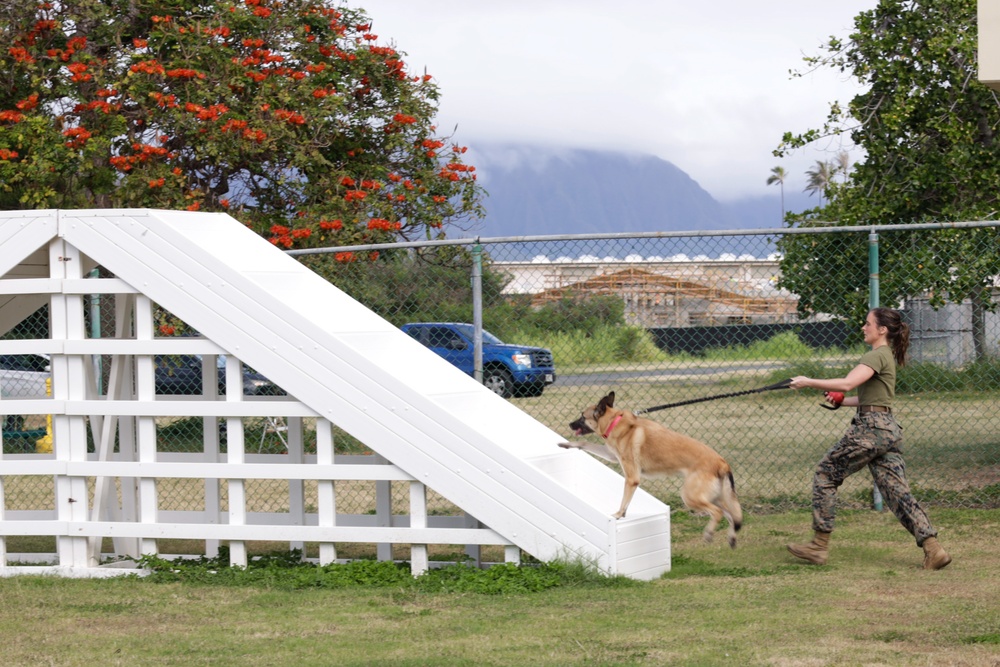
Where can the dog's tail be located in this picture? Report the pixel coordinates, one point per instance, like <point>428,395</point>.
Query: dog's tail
<point>730,503</point>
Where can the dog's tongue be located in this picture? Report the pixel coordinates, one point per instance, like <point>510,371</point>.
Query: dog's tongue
<point>579,431</point>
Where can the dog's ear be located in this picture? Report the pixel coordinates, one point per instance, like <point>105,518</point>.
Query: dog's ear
<point>603,405</point>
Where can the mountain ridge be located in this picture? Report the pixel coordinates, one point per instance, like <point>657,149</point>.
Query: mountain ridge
<point>579,191</point>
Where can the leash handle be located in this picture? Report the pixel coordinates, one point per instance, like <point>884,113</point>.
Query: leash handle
<point>784,384</point>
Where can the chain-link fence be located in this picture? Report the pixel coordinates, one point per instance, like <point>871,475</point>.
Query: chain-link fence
<point>664,318</point>
<point>656,318</point>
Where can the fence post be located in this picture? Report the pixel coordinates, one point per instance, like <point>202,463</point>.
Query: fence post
<point>477,311</point>
<point>873,302</point>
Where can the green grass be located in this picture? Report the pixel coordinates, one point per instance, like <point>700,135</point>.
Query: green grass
<point>753,606</point>
<point>598,345</point>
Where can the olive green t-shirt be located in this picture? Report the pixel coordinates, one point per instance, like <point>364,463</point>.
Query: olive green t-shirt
<point>880,389</point>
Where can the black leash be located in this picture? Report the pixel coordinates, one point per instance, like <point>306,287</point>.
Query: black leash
<point>777,385</point>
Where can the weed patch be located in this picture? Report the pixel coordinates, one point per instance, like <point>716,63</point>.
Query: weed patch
<point>287,571</point>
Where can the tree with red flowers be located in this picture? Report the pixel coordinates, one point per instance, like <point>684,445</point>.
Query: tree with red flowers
<point>287,114</point>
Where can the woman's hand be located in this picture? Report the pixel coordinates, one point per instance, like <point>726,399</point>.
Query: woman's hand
<point>800,381</point>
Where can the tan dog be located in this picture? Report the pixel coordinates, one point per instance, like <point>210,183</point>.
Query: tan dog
<point>644,447</point>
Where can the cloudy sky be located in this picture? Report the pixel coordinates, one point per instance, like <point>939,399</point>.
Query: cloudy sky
<point>702,84</point>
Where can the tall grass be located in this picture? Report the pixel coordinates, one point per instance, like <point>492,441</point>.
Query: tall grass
<point>785,345</point>
<point>608,343</point>
<point>593,346</point>
<point>632,344</point>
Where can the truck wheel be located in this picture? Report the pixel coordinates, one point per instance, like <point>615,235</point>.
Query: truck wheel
<point>499,381</point>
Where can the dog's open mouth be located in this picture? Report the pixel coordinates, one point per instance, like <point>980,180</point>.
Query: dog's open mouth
<point>580,427</point>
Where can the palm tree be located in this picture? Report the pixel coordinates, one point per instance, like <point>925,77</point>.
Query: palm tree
<point>843,163</point>
<point>778,176</point>
<point>820,178</point>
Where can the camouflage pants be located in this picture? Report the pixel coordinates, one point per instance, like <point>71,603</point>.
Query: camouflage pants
<point>874,440</point>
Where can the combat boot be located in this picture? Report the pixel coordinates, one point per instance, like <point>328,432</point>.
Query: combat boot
<point>935,557</point>
<point>815,552</point>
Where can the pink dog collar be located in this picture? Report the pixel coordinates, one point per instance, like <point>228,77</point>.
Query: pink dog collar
<point>614,422</point>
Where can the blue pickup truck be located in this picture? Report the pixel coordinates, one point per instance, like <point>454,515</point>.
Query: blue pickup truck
<point>508,370</point>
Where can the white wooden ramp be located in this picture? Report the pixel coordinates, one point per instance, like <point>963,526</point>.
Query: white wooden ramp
<point>351,367</point>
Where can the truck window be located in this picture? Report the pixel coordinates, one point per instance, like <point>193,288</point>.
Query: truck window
<point>446,338</point>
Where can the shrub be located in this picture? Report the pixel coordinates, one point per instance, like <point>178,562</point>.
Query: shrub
<point>919,377</point>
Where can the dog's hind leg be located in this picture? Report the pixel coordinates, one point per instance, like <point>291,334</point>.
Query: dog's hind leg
<point>731,508</point>
<point>699,493</point>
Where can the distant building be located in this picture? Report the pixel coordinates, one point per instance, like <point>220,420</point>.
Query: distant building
<point>663,293</point>
<point>944,334</point>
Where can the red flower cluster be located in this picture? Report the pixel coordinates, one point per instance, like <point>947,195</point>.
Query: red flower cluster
<point>7,154</point>
<point>183,73</point>
<point>77,137</point>
<point>80,73</point>
<point>355,195</point>
<point>147,67</point>
<point>430,147</point>
<point>223,32</point>
<point>143,153</point>
<point>255,135</point>
<point>99,104</point>
<point>380,224</point>
<point>72,45</point>
<point>27,104</point>
<point>212,112</point>
<point>285,236</point>
<point>164,101</point>
<point>292,117</point>
<point>453,170</point>
<point>20,54</point>
<point>234,126</point>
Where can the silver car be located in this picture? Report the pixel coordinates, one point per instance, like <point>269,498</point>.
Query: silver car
<point>21,376</point>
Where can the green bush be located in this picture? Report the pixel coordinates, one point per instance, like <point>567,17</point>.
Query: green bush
<point>983,375</point>
<point>601,345</point>
<point>785,345</point>
<point>920,377</point>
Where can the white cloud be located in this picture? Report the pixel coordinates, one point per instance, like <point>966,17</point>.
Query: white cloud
<point>704,85</point>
